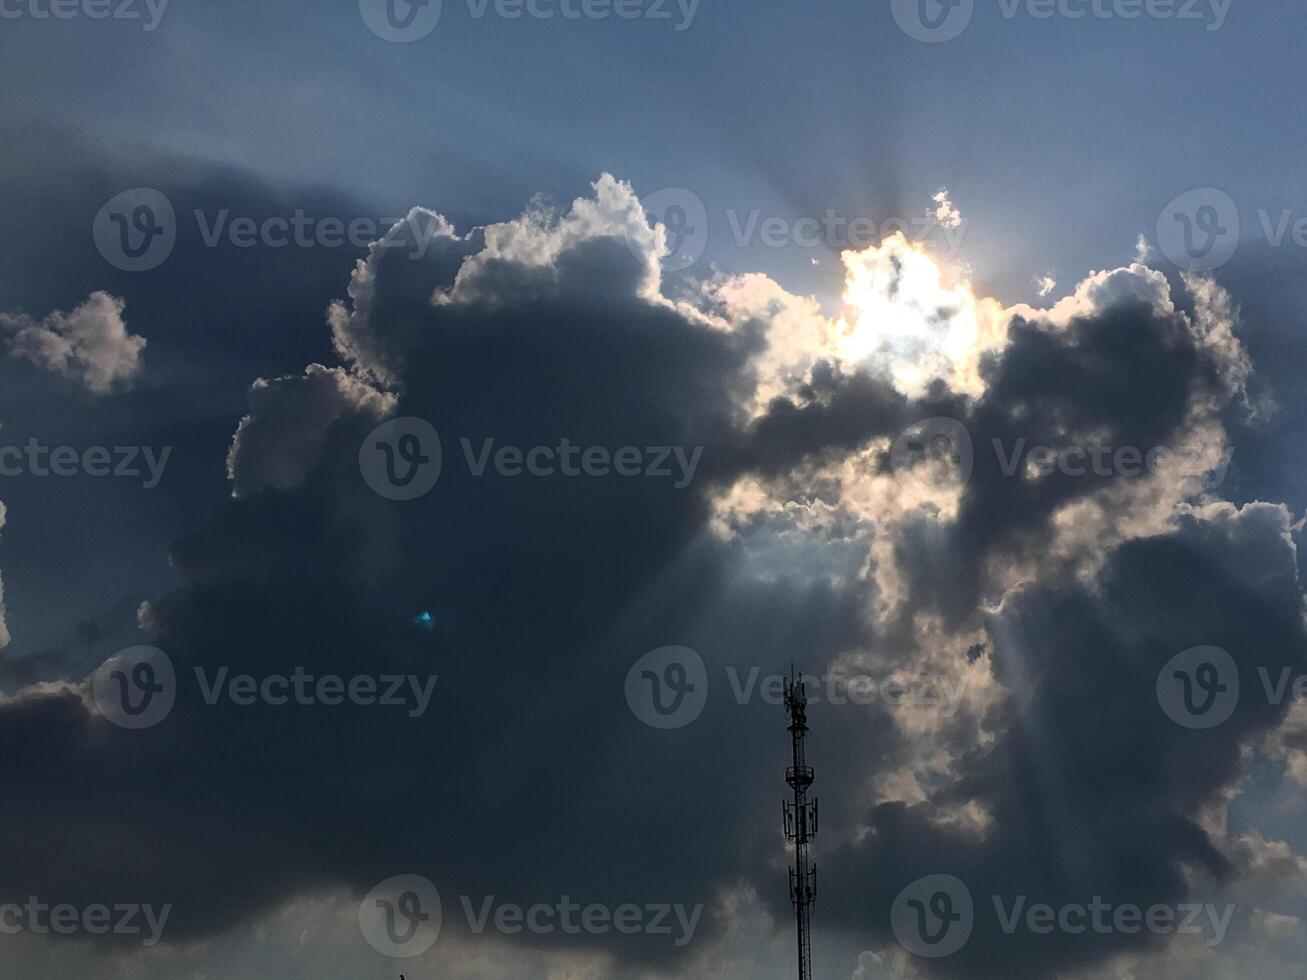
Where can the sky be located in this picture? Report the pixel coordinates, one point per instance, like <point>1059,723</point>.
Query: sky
<point>430,432</point>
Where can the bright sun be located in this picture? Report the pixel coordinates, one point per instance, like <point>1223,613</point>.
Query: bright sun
<point>900,313</point>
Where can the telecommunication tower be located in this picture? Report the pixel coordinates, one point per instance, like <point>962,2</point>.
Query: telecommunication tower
<point>800,821</point>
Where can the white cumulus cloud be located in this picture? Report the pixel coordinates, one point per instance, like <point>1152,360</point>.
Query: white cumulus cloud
<point>945,212</point>
<point>90,345</point>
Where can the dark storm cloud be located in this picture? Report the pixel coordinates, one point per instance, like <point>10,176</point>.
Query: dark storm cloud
<point>831,415</point>
<point>1123,378</point>
<point>529,778</point>
<point>1092,790</point>
<point>534,587</point>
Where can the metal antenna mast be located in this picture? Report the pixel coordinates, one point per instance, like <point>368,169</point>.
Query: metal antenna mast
<point>800,821</point>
